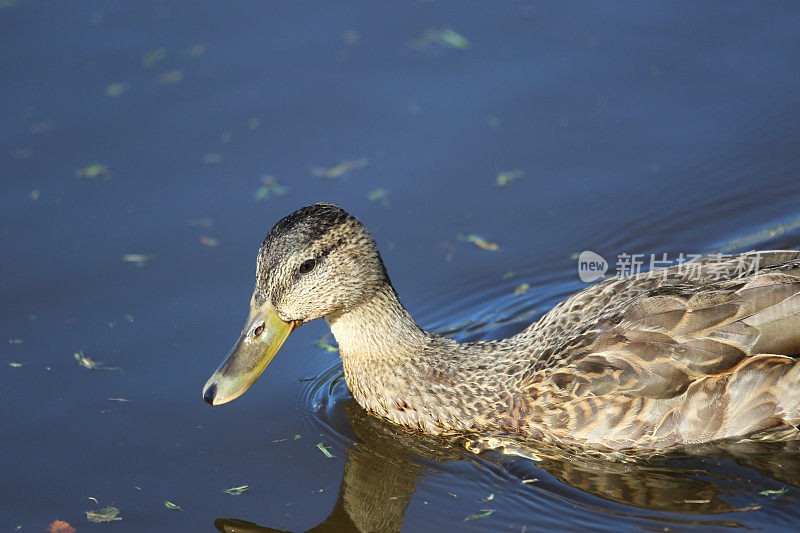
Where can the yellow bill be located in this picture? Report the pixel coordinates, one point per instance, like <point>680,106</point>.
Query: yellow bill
<point>261,338</point>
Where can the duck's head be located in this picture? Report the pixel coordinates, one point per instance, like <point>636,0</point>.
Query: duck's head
<point>317,262</point>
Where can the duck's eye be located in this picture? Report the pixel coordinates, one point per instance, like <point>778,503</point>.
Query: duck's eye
<point>258,331</point>
<point>307,266</point>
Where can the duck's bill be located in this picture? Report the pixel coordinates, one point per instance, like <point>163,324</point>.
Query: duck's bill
<point>262,337</point>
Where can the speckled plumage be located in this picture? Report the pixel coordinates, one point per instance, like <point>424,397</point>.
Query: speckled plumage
<point>689,354</point>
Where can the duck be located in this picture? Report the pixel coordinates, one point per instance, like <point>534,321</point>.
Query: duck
<point>693,353</point>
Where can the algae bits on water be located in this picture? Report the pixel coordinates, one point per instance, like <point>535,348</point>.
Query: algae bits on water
<point>270,187</point>
<point>93,170</point>
<point>104,514</point>
<point>480,242</point>
<point>445,37</point>
<point>237,491</point>
<point>340,169</point>
<point>504,178</point>
<point>324,451</point>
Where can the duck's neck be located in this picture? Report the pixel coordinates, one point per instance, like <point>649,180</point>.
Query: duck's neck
<point>377,333</point>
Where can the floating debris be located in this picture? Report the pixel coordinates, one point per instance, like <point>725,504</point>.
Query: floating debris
<point>119,400</point>
<point>14,364</point>
<point>521,289</point>
<point>324,451</point>
<point>113,90</point>
<point>507,275</point>
<point>86,362</point>
<point>59,526</point>
<point>378,194</point>
<point>34,194</point>
<point>197,50</point>
<point>269,188</point>
<point>93,171</point>
<point>105,514</point>
<point>212,158</point>
<point>173,76</point>
<point>445,37</point>
<point>504,178</point>
<point>253,123</point>
<point>780,492</point>
<point>138,259</point>
<point>171,506</point>
<point>153,57</point>
<point>485,513</point>
<point>237,491</point>
<point>209,241</point>
<point>14,341</point>
<point>480,242</point>
<point>350,37</point>
<point>339,170</point>
<point>326,346</point>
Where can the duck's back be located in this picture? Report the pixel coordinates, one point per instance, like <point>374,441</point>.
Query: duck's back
<point>696,352</point>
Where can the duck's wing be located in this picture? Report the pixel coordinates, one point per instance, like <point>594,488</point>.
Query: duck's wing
<point>691,360</point>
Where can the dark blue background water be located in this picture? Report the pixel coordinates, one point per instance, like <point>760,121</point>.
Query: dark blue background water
<point>640,128</point>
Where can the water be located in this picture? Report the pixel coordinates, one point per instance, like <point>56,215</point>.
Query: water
<point>640,128</point>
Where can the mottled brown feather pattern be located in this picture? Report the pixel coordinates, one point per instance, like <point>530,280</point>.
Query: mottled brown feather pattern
<point>687,354</point>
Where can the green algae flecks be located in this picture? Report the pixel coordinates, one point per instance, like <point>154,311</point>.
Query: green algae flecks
<point>197,50</point>
<point>173,76</point>
<point>237,491</point>
<point>324,451</point>
<point>779,492</point>
<point>504,178</point>
<point>480,242</point>
<point>104,514</point>
<point>341,169</point>
<point>377,194</point>
<point>212,158</point>
<point>322,343</point>
<point>483,514</point>
<point>93,170</point>
<point>114,90</point>
<point>91,364</point>
<point>269,187</point>
<point>172,506</point>
<point>521,289</point>
<point>137,259</point>
<point>211,242</point>
<point>350,37</point>
<point>154,56</point>
<point>445,37</point>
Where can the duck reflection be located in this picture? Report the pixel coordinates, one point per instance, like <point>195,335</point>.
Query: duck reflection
<point>382,469</point>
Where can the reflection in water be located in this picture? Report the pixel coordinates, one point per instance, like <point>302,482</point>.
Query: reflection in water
<point>382,469</point>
